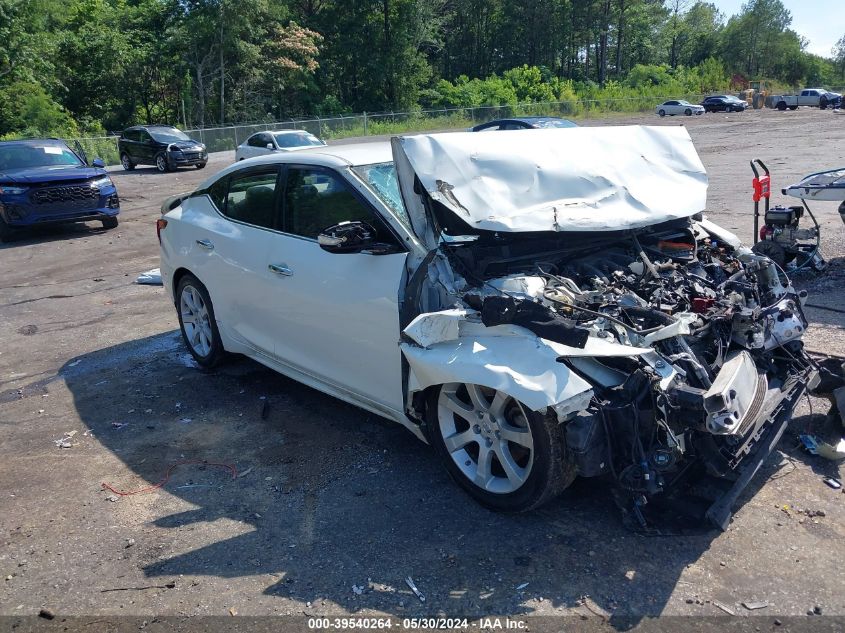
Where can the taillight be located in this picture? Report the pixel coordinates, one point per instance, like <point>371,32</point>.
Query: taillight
<point>161,224</point>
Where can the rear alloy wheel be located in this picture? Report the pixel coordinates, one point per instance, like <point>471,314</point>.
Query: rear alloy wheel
<point>110,223</point>
<point>161,163</point>
<point>196,320</point>
<point>661,112</point>
<point>688,112</point>
<point>506,456</point>
<point>126,162</point>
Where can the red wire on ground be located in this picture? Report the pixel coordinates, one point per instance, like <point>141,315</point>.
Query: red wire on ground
<point>230,467</point>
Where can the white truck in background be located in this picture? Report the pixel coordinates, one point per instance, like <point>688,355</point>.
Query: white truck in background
<point>814,97</point>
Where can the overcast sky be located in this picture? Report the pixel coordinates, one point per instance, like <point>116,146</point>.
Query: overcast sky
<point>820,21</point>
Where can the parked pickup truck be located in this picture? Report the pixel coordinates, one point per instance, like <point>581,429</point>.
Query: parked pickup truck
<point>815,97</point>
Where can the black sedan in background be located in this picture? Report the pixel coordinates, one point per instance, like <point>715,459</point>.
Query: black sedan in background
<point>724,103</point>
<point>524,123</point>
<point>164,146</point>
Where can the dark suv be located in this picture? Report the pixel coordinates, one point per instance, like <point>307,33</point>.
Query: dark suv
<point>44,181</point>
<point>164,146</point>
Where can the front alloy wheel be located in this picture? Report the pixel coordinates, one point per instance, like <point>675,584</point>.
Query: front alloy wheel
<point>196,320</point>
<point>162,164</point>
<point>506,456</point>
<point>688,112</point>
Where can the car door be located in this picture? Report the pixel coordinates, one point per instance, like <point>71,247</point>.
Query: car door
<point>146,147</point>
<point>232,243</point>
<point>130,144</point>
<point>336,316</point>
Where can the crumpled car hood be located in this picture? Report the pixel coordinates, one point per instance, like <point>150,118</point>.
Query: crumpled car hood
<point>576,179</point>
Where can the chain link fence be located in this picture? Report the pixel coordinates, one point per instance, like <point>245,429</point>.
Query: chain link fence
<point>228,137</point>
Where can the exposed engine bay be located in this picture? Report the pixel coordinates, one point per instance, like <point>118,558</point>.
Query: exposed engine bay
<point>716,332</point>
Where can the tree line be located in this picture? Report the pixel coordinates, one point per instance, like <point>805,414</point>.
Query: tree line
<point>87,66</point>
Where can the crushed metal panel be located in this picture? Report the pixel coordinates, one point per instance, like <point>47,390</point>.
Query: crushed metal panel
<point>521,366</point>
<point>574,179</point>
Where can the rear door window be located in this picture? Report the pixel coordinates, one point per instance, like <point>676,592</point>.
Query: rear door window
<point>250,196</point>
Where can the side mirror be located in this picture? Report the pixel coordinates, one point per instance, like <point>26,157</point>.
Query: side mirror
<point>98,162</point>
<point>352,237</point>
<point>346,237</point>
<point>270,146</point>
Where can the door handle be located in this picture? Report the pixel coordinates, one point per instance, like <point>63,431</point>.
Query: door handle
<point>206,244</point>
<point>281,269</point>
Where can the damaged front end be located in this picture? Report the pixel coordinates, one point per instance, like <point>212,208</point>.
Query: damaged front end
<point>670,354</point>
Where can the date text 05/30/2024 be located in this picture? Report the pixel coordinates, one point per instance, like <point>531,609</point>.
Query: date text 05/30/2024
<point>488,623</point>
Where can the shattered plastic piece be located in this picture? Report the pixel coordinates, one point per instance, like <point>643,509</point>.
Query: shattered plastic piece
<point>522,586</point>
<point>65,441</point>
<point>818,447</point>
<point>409,581</point>
<point>753,606</point>
<point>723,607</point>
<point>357,590</point>
<point>150,278</point>
<point>833,483</point>
<point>436,327</point>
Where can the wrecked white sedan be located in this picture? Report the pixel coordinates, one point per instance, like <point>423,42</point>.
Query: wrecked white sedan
<point>537,307</point>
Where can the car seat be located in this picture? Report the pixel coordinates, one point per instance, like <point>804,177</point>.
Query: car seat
<point>257,206</point>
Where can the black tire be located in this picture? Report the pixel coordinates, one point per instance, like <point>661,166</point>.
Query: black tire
<point>200,165</point>
<point>216,352</point>
<point>661,112</point>
<point>781,106</point>
<point>793,107</point>
<point>162,164</point>
<point>823,103</point>
<point>7,233</point>
<point>126,162</point>
<point>773,251</point>
<point>552,470</point>
<point>688,112</point>
<point>110,223</point>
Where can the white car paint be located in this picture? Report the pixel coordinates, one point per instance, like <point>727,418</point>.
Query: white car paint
<point>678,106</point>
<point>271,141</point>
<point>338,322</point>
<point>574,179</point>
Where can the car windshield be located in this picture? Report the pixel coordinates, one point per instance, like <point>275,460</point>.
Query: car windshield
<point>381,177</point>
<point>682,102</point>
<point>543,123</point>
<point>28,156</point>
<point>296,139</point>
<point>168,134</point>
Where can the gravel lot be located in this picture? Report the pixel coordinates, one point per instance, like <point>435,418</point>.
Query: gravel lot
<point>333,507</point>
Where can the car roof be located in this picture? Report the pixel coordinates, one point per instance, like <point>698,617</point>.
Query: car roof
<point>336,156</point>
<point>287,131</point>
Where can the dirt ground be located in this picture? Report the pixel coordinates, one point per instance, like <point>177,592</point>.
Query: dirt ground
<point>333,507</point>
